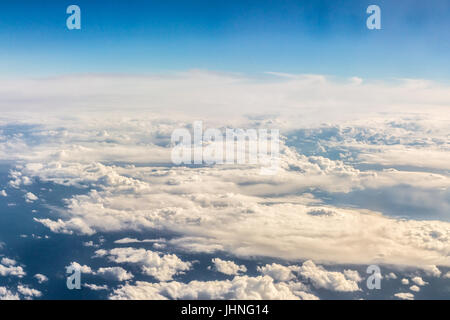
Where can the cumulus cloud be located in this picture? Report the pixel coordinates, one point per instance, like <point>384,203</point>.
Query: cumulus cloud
<point>29,292</point>
<point>431,270</point>
<point>404,295</point>
<point>110,273</point>
<point>114,273</point>
<point>8,268</point>
<point>162,267</point>
<point>331,280</point>
<point>41,278</point>
<point>8,262</point>
<point>279,272</point>
<point>90,244</point>
<point>419,281</point>
<point>387,139</point>
<point>30,197</point>
<point>228,267</point>
<point>241,287</point>
<point>121,193</point>
<point>414,288</point>
<point>3,193</point>
<point>95,287</point>
<point>215,206</point>
<point>391,276</point>
<point>82,268</point>
<point>6,294</point>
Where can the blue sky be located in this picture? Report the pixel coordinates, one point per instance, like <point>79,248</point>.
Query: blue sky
<point>326,37</point>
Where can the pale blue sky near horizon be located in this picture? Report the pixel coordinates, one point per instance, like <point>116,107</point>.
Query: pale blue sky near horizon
<point>322,37</point>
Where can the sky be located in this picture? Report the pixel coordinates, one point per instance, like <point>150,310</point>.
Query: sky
<point>88,177</point>
<point>324,37</point>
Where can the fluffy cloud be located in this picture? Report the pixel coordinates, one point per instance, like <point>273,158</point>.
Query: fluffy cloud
<point>431,270</point>
<point>30,197</point>
<point>404,296</point>
<point>110,273</point>
<point>279,272</point>
<point>8,268</point>
<point>419,281</point>
<point>114,273</point>
<point>29,292</point>
<point>41,278</point>
<point>374,139</point>
<point>8,262</point>
<point>162,267</point>
<point>336,281</point>
<point>82,268</point>
<point>95,287</point>
<point>241,287</point>
<point>215,206</point>
<point>216,203</point>
<point>6,294</point>
<point>414,288</point>
<point>391,276</point>
<point>228,267</point>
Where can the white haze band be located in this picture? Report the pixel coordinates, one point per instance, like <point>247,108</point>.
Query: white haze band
<point>237,146</point>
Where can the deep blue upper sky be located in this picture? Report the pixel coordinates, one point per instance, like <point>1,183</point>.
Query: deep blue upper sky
<point>326,37</point>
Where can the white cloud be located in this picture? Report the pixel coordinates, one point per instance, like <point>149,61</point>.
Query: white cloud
<point>8,262</point>
<point>241,287</point>
<point>447,275</point>
<point>431,270</point>
<point>353,275</point>
<point>110,273</point>
<point>223,193</point>
<point>414,288</point>
<point>3,193</point>
<point>6,294</point>
<point>162,267</point>
<point>228,267</point>
<point>18,179</point>
<point>30,197</point>
<point>95,287</point>
<point>41,278</point>
<point>279,272</point>
<point>405,281</point>
<point>331,280</point>
<point>29,292</point>
<point>233,209</point>
<point>82,268</point>
<point>142,197</point>
<point>230,94</point>
<point>114,273</point>
<point>67,227</point>
<point>391,276</point>
<point>404,296</point>
<point>419,281</point>
<point>8,268</point>
<point>90,244</point>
